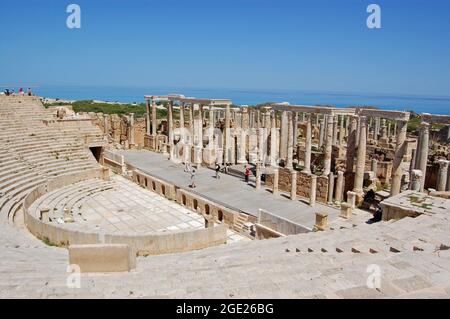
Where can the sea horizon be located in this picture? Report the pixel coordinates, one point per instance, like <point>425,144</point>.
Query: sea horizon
<point>402,102</point>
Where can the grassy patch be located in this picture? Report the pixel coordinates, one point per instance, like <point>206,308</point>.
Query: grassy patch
<point>47,241</point>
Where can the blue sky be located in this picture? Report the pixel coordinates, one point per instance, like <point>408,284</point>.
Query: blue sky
<point>248,44</point>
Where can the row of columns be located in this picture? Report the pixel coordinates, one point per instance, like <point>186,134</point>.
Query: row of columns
<point>333,131</point>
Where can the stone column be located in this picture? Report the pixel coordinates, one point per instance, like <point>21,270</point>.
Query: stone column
<point>330,188</point>
<point>290,141</point>
<point>258,121</point>
<point>182,116</point>
<point>328,145</point>
<point>361,157</point>
<point>131,132</point>
<point>416,180</point>
<point>275,190</point>
<point>346,120</point>
<point>295,129</point>
<point>170,127</point>
<point>400,150</point>
<point>283,136</point>
<point>383,130</point>
<point>258,176</point>
<point>312,191</point>
<point>374,167</point>
<point>422,153</point>
<point>293,184</point>
<point>273,140</point>
<point>200,126</point>
<point>351,199</point>
<point>147,116</point>
<point>191,123</point>
<point>341,131</point>
<point>389,129</point>
<point>321,132</point>
<point>242,146</point>
<point>335,130</point>
<point>308,143</point>
<point>154,120</point>
<point>262,148</point>
<point>106,124</point>
<point>358,129</point>
<point>351,145</point>
<point>245,118</point>
<point>448,182</point>
<point>212,144</point>
<point>377,128</point>
<point>227,133</point>
<point>267,119</point>
<point>442,175</point>
<point>339,187</point>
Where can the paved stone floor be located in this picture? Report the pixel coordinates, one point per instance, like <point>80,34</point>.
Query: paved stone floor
<point>230,191</point>
<point>129,209</point>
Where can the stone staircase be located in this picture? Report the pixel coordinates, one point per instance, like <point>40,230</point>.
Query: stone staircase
<point>33,150</point>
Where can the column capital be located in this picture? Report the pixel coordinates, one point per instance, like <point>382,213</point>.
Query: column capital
<point>425,125</point>
<point>443,164</point>
<point>416,174</point>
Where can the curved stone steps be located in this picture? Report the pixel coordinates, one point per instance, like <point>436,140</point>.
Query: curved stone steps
<point>68,196</point>
<point>75,203</point>
<point>13,178</point>
<point>17,195</point>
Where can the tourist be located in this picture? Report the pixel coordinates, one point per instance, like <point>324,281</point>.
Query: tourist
<point>377,215</point>
<point>226,168</point>
<point>247,173</point>
<point>193,179</point>
<point>7,92</point>
<point>187,167</point>
<point>29,92</point>
<point>21,91</point>
<point>217,170</point>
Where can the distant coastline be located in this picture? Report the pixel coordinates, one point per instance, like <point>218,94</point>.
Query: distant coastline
<point>118,95</point>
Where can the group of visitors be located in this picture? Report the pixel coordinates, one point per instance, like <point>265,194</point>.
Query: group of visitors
<point>223,169</point>
<point>9,92</point>
<point>218,168</point>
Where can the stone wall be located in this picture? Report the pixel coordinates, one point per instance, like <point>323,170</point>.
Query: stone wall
<point>117,129</point>
<point>303,184</point>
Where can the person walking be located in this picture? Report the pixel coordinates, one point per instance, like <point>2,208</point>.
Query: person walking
<point>217,171</point>
<point>247,173</point>
<point>193,179</point>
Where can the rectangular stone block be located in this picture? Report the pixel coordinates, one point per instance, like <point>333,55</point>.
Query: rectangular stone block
<point>102,257</point>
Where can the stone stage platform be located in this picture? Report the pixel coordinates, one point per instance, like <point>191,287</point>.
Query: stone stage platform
<point>228,191</point>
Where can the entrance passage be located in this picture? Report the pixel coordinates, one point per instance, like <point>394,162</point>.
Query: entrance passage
<point>97,152</point>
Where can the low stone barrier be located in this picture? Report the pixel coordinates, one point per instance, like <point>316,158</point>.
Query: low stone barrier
<point>197,203</point>
<point>278,225</point>
<point>115,161</point>
<point>102,257</point>
<point>154,184</point>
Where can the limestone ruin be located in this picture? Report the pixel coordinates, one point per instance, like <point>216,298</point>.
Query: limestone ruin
<point>118,186</point>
